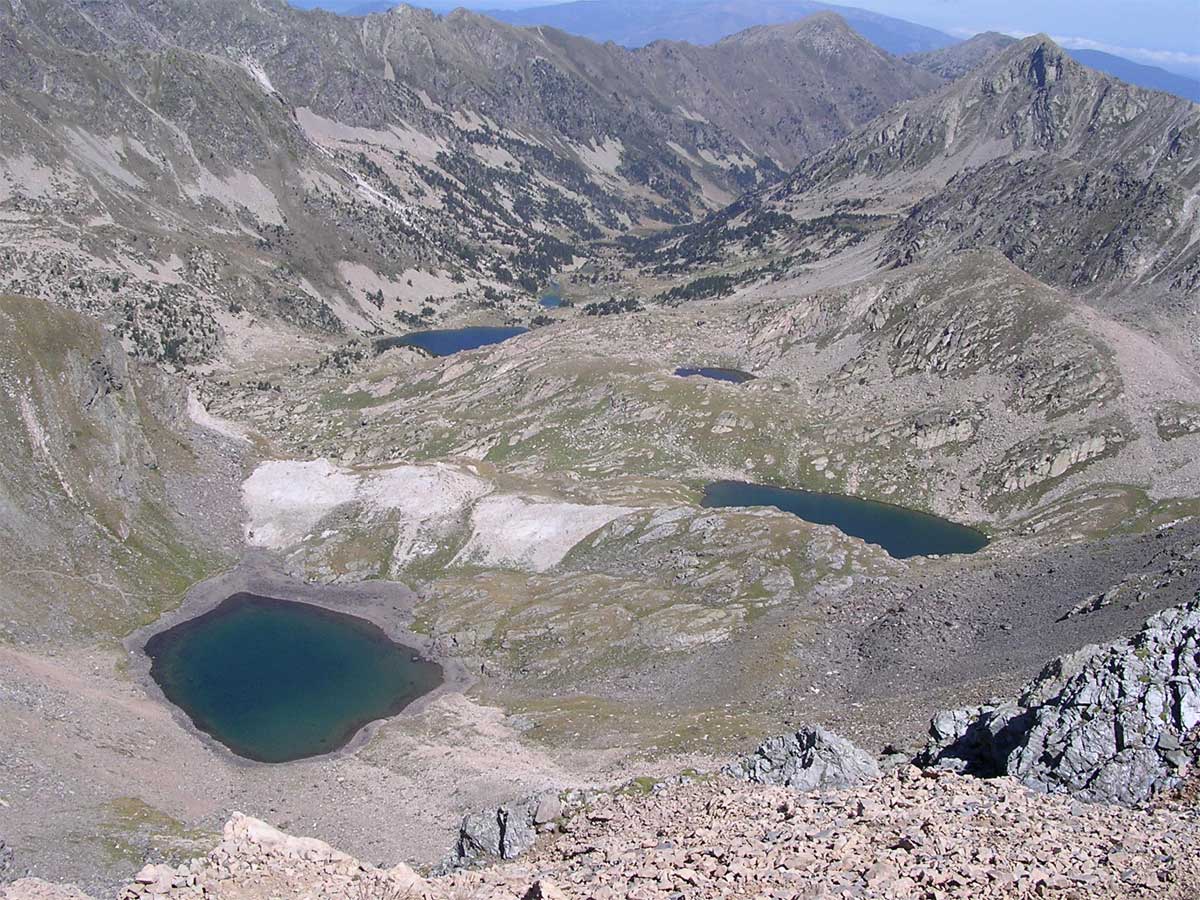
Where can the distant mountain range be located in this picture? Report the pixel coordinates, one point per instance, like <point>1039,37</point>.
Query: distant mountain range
<point>1144,76</point>
<point>695,21</point>
<point>708,21</point>
<point>1081,180</point>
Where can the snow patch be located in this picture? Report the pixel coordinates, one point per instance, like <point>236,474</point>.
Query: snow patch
<point>256,72</point>
<point>238,189</point>
<point>529,533</point>
<point>101,155</point>
<point>605,159</point>
<point>285,499</point>
<point>693,116</point>
<point>201,416</point>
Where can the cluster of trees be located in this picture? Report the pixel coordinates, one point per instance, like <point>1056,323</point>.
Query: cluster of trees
<point>613,306</point>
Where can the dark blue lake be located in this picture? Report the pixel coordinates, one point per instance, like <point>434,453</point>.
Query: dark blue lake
<point>550,300</point>
<point>447,341</point>
<point>901,532</point>
<point>275,681</point>
<point>736,376</point>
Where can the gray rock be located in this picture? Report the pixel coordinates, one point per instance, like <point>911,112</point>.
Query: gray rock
<point>1112,723</point>
<point>8,870</point>
<point>809,759</point>
<point>504,832</point>
<point>548,809</point>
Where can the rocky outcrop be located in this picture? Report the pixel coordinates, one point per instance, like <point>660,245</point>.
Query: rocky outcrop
<point>1033,463</point>
<point>7,869</point>
<point>1113,723</point>
<point>1176,420</point>
<point>504,832</point>
<point>933,430</point>
<point>809,759</point>
<point>255,859</point>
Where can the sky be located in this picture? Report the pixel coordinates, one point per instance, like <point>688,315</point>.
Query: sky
<point>1164,33</point>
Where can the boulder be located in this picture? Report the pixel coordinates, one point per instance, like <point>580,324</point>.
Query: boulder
<point>249,836</point>
<point>37,889</point>
<point>547,809</point>
<point>504,832</point>
<point>808,759</point>
<point>1111,723</point>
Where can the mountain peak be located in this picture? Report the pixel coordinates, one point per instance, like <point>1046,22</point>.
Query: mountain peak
<point>826,33</point>
<point>1036,60</point>
<point>955,61</point>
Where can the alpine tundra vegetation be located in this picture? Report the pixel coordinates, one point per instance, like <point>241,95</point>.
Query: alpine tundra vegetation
<point>765,464</point>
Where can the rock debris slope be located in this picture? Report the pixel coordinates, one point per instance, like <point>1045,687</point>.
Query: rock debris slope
<point>906,834</point>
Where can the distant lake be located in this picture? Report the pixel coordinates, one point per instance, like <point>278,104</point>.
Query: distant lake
<point>275,680</point>
<point>552,299</point>
<point>447,341</point>
<point>736,376</point>
<point>902,532</point>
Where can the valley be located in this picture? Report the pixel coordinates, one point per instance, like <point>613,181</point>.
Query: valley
<point>606,411</point>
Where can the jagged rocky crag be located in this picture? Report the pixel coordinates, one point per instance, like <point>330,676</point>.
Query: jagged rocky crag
<point>1116,723</point>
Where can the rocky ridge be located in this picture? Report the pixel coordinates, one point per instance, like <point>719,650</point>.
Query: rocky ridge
<point>1078,178</point>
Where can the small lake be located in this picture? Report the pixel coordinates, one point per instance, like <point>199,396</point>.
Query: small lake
<point>552,299</point>
<point>447,341</point>
<point>735,376</point>
<point>902,532</point>
<point>275,680</point>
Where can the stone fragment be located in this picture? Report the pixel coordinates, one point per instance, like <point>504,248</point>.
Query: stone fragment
<point>808,759</point>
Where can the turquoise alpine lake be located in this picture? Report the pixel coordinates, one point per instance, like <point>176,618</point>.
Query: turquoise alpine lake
<point>902,532</point>
<point>275,680</point>
<point>448,341</point>
<point>735,376</point>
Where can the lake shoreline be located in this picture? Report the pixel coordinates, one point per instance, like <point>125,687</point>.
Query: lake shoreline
<point>386,604</point>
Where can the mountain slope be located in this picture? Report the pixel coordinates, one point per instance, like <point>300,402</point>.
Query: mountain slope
<point>108,493</point>
<point>789,90</point>
<point>1082,180</point>
<point>228,165</point>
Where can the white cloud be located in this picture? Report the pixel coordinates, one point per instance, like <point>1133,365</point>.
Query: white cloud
<point>1144,54</point>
